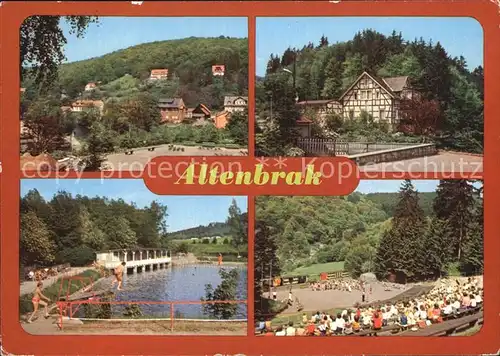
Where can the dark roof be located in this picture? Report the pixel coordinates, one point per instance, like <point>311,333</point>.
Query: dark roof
<point>317,102</point>
<point>379,81</point>
<point>396,84</point>
<point>172,103</point>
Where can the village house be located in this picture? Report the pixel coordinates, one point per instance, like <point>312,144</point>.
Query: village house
<point>172,110</point>
<point>221,119</point>
<point>320,108</point>
<point>379,97</point>
<point>158,74</point>
<point>86,106</point>
<point>235,103</point>
<point>200,112</point>
<point>90,86</point>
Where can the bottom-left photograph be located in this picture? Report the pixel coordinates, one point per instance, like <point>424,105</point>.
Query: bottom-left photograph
<point>110,257</point>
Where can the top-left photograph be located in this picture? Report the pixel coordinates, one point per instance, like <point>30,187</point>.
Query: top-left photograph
<point>111,93</point>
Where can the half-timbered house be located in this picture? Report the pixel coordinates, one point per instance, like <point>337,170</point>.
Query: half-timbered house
<point>379,97</point>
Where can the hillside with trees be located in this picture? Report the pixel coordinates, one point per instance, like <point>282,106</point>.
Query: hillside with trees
<point>371,235</point>
<point>130,116</point>
<point>449,112</point>
<point>122,74</point>
<point>70,229</point>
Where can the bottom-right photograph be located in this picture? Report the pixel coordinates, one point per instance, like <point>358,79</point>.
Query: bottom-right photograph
<point>394,258</point>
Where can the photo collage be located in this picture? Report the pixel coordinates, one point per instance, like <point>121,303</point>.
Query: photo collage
<point>101,253</point>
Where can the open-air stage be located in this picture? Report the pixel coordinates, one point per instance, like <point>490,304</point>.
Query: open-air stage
<point>313,301</point>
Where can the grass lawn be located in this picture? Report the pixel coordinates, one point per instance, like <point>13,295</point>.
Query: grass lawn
<point>52,291</point>
<point>317,269</point>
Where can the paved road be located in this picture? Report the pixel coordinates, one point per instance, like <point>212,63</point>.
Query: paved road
<point>442,162</point>
<point>138,160</point>
<point>28,287</point>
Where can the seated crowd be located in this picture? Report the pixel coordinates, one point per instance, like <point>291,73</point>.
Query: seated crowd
<point>344,284</point>
<point>448,298</point>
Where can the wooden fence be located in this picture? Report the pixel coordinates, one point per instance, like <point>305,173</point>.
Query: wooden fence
<point>323,147</point>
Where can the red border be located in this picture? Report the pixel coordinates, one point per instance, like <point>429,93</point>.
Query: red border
<point>17,341</point>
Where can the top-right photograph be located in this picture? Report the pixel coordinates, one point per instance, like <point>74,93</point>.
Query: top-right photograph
<point>394,94</point>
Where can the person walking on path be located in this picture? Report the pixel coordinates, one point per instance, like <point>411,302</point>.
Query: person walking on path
<point>39,299</point>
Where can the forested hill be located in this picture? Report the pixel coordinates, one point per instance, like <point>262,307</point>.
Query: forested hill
<point>210,230</point>
<point>189,61</point>
<point>324,229</point>
<point>325,71</point>
<point>388,201</point>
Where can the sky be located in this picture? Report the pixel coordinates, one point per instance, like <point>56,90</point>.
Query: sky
<point>183,211</point>
<point>459,36</point>
<point>114,33</point>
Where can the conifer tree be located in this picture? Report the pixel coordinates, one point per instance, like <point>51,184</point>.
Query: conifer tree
<point>472,261</point>
<point>400,250</point>
<point>455,203</point>
<point>437,248</point>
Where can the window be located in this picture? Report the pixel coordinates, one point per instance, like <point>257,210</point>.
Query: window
<point>351,114</point>
<point>377,94</point>
<point>369,95</point>
<point>381,115</point>
<point>356,96</point>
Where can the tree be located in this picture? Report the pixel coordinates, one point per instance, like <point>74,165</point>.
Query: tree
<point>45,134</point>
<point>400,249</point>
<point>151,227</point>
<point>419,116</point>
<point>41,45</point>
<point>36,247</point>
<point>143,111</point>
<point>464,114</point>
<point>265,261</point>
<point>238,127</point>
<point>238,231</point>
<point>120,235</point>
<point>225,291</point>
<point>402,64</point>
<point>472,261</point>
<point>65,222</point>
<point>455,203</point>
<point>99,142</point>
<point>359,260</point>
<point>92,236</point>
<point>282,110</point>
<point>34,202</point>
<point>436,245</point>
<point>332,88</point>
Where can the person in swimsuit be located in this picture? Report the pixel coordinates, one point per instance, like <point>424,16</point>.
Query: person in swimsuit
<point>39,299</point>
<point>118,272</point>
